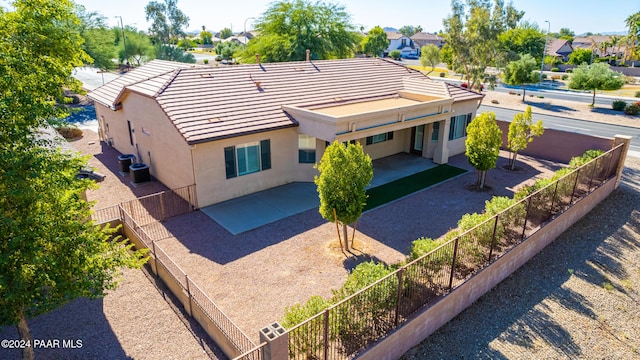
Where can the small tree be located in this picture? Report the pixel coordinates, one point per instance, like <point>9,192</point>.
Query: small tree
<point>484,138</point>
<point>580,56</point>
<point>375,42</point>
<point>345,172</point>
<point>521,72</point>
<point>594,77</point>
<point>522,130</point>
<point>429,55</point>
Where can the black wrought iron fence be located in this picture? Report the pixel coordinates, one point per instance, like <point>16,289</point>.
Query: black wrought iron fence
<point>349,326</point>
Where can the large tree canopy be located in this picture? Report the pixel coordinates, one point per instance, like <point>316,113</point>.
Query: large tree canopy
<point>521,72</point>
<point>375,42</point>
<point>472,31</point>
<point>168,22</point>
<point>288,28</point>
<point>99,40</point>
<point>50,253</point>
<point>594,77</point>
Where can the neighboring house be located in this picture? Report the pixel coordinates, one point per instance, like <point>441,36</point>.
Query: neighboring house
<point>559,48</point>
<point>422,38</point>
<point>397,41</point>
<point>235,130</point>
<point>593,43</point>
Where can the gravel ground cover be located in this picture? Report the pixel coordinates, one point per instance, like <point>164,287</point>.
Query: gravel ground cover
<point>578,298</point>
<point>288,261</point>
<point>272,267</point>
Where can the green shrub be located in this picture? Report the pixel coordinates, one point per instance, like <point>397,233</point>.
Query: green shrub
<point>569,71</point>
<point>555,69</point>
<point>206,61</point>
<point>632,109</point>
<point>306,342</point>
<point>544,76</point>
<point>637,94</point>
<point>423,246</point>
<point>565,76</point>
<point>395,54</point>
<point>442,74</point>
<point>482,233</point>
<point>619,105</point>
<point>588,155</point>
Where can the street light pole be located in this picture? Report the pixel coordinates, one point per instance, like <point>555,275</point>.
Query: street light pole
<point>124,41</point>
<point>245,29</point>
<point>544,52</point>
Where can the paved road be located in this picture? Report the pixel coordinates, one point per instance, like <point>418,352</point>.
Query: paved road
<point>92,77</point>
<point>561,95</point>
<point>574,125</point>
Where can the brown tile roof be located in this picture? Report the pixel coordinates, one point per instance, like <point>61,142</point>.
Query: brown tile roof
<point>426,36</point>
<point>209,103</point>
<point>109,93</point>
<point>394,35</point>
<point>555,45</point>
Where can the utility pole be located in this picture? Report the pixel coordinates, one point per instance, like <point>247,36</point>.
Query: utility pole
<point>544,53</point>
<point>124,41</point>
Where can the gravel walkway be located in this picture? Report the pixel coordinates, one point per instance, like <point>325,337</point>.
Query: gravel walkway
<point>578,298</point>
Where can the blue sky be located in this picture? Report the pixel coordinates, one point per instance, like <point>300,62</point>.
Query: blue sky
<point>580,16</point>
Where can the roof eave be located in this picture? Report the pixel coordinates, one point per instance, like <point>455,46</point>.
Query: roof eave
<point>244,133</point>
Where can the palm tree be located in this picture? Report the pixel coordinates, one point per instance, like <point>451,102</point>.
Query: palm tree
<point>615,44</point>
<point>633,25</point>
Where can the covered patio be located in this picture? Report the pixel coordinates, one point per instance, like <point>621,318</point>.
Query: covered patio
<point>254,210</point>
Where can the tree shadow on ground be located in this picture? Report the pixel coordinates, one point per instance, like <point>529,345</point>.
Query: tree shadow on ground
<point>517,311</point>
<point>80,320</point>
<point>550,107</point>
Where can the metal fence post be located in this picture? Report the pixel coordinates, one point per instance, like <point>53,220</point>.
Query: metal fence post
<point>606,174</point>
<point>493,238</point>
<point>399,295</point>
<point>453,263</point>
<point>189,295</point>
<point>553,199</point>
<point>326,334</point>
<point>595,166</point>
<point>526,217</point>
<point>155,255</point>
<point>575,185</point>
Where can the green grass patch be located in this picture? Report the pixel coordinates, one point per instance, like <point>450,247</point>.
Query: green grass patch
<point>402,187</point>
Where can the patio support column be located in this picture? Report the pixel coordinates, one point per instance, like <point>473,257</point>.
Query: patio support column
<point>441,153</point>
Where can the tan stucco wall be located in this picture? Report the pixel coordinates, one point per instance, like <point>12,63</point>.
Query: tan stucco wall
<point>400,143</point>
<point>457,146</point>
<point>212,184</point>
<point>159,144</point>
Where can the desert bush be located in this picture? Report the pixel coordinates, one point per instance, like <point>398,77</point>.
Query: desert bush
<point>555,69</point>
<point>637,94</point>
<point>629,79</point>
<point>555,77</point>
<point>482,233</point>
<point>632,109</point>
<point>569,71</point>
<point>422,246</point>
<point>206,61</point>
<point>619,105</point>
<point>544,76</point>
<point>69,132</point>
<point>588,155</point>
<point>565,77</point>
<point>442,74</point>
<point>304,342</point>
<point>395,54</point>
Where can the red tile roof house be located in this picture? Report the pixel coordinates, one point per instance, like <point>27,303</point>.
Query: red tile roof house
<point>235,130</point>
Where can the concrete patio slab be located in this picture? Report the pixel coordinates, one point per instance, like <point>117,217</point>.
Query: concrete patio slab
<point>254,210</point>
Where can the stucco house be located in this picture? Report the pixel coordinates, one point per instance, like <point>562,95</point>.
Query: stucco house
<point>422,38</point>
<point>559,48</point>
<point>235,130</point>
<point>398,41</point>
